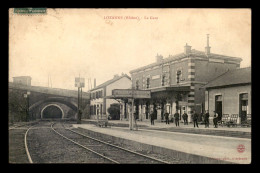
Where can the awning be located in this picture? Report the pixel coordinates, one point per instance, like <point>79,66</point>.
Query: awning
<point>116,97</point>
<point>171,88</point>
<point>129,93</point>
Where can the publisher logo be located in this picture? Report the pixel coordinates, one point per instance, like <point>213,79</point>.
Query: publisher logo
<point>241,148</point>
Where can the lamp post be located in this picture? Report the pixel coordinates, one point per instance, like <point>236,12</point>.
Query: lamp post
<point>27,106</point>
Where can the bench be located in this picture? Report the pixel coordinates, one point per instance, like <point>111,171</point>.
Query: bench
<point>233,120</point>
<point>102,121</point>
<point>247,123</point>
<point>224,120</point>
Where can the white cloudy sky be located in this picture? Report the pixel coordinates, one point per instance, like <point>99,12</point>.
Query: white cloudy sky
<point>67,42</point>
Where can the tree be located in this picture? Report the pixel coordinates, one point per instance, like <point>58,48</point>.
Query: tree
<point>17,106</point>
<point>114,111</point>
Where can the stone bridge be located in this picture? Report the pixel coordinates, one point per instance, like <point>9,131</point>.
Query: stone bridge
<point>47,102</point>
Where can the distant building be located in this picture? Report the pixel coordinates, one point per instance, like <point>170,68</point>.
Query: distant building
<point>230,94</point>
<point>175,81</point>
<point>98,103</point>
<point>22,80</point>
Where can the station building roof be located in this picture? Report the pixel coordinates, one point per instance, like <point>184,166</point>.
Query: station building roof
<point>110,82</point>
<point>230,78</point>
<point>193,53</point>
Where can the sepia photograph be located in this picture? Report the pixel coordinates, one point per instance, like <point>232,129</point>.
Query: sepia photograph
<point>129,86</point>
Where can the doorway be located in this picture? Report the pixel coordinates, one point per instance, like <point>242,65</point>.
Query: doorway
<point>218,106</point>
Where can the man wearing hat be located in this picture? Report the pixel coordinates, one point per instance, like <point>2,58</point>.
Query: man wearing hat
<point>215,119</point>
<point>206,119</point>
<point>195,118</point>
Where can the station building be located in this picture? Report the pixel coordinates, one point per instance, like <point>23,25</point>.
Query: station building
<point>230,94</point>
<point>99,104</point>
<point>175,82</point>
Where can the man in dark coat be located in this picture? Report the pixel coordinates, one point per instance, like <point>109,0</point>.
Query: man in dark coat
<point>206,119</point>
<point>167,118</point>
<point>152,117</point>
<point>185,118</point>
<point>176,118</point>
<point>195,118</point>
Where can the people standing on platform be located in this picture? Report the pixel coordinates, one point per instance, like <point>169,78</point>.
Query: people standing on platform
<point>167,118</point>
<point>152,117</point>
<point>195,118</point>
<point>215,119</point>
<point>206,119</point>
<point>185,118</point>
<point>176,118</point>
<point>201,115</point>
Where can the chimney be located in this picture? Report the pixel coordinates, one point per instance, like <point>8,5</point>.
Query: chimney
<point>94,82</point>
<point>207,49</point>
<point>159,58</point>
<point>187,49</point>
<point>116,76</point>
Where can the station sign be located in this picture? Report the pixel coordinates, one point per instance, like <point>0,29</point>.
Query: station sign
<point>182,103</point>
<point>130,93</point>
<point>79,82</point>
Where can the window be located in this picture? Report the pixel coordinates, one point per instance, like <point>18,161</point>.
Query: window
<point>163,79</point>
<point>91,110</point>
<point>137,84</point>
<point>148,83</point>
<point>98,110</point>
<point>178,76</point>
<point>243,106</point>
<point>95,110</point>
<point>219,98</point>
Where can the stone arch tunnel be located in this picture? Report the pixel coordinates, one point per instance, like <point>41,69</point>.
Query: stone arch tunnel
<point>49,102</point>
<point>67,107</point>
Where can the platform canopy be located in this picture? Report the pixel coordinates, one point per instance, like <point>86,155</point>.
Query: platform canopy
<point>129,93</point>
<point>172,88</point>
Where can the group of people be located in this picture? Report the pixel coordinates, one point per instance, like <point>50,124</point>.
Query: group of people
<point>176,118</point>
<point>194,116</point>
<point>215,119</point>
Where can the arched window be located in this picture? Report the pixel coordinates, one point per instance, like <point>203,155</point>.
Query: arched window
<point>178,76</point>
<point>163,79</point>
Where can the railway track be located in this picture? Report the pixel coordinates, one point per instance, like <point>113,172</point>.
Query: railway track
<point>110,152</point>
<point>21,126</point>
<point>81,147</point>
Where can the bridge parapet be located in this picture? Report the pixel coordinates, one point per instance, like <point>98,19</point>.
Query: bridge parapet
<point>46,90</point>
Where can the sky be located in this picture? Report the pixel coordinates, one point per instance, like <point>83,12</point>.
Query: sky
<point>68,43</point>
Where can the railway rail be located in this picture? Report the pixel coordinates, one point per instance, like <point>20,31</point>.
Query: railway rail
<point>108,151</point>
<point>94,148</point>
<point>25,125</point>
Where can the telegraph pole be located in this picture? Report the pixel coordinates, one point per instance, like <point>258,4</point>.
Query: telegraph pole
<point>79,82</point>
<point>78,108</point>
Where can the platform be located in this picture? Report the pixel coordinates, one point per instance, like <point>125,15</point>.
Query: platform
<point>241,132</point>
<point>194,147</point>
